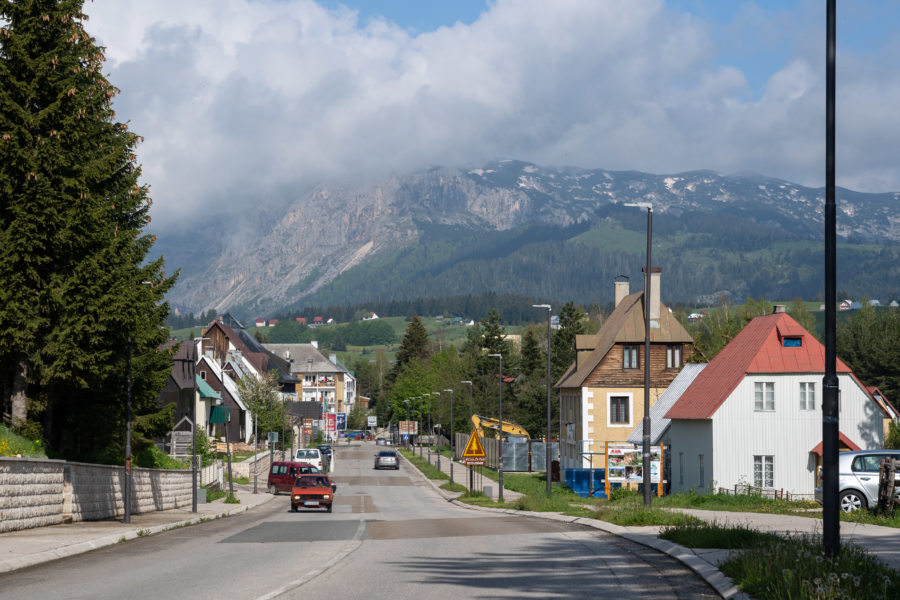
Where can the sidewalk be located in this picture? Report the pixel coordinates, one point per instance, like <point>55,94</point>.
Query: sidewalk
<point>28,547</point>
<point>883,542</point>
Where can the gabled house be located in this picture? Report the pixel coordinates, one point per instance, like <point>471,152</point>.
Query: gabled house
<point>753,415</point>
<point>890,411</point>
<point>260,322</point>
<point>240,427</point>
<point>602,392</point>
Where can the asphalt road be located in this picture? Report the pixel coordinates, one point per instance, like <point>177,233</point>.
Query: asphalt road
<point>390,536</point>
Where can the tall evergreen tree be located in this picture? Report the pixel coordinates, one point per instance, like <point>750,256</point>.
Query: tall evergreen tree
<point>74,310</point>
<point>572,322</point>
<point>413,346</point>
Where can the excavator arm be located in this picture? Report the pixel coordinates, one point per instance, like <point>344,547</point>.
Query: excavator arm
<point>510,429</point>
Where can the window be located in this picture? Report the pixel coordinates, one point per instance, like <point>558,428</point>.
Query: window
<point>807,395</point>
<point>618,410</point>
<point>764,471</point>
<point>681,468</point>
<point>630,357</point>
<point>792,342</point>
<point>764,396</point>
<point>673,357</point>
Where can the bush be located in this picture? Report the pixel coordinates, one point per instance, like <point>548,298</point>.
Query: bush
<point>154,458</point>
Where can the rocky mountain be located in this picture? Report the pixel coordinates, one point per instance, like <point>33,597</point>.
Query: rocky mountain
<point>513,226</point>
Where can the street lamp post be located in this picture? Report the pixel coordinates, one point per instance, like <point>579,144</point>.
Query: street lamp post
<point>499,357</point>
<point>646,430</point>
<point>452,442</point>
<point>128,437</point>
<point>428,404</point>
<point>438,427</point>
<point>407,424</point>
<point>547,441</point>
<point>472,412</point>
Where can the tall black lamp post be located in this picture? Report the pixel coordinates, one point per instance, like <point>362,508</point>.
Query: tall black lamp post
<point>438,427</point>
<point>500,437</point>
<point>452,444</point>
<point>549,418</point>
<point>831,532</point>
<point>646,421</point>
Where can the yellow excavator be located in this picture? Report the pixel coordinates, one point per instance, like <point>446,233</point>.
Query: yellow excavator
<point>505,427</point>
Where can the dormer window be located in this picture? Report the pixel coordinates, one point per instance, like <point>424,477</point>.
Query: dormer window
<point>792,342</point>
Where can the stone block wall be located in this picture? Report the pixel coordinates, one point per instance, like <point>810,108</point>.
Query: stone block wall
<point>38,492</point>
<point>31,492</point>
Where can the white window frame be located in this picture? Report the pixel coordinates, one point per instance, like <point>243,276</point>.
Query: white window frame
<point>673,356</point>
<point>764,396</point>
<point>633,353</point>
<point>763,471</point>
<point>609,398</point>
<point>807,395</point>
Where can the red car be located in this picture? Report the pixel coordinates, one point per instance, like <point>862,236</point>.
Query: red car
<point>312,491</point>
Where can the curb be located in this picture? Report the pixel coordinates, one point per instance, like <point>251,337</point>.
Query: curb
<point>13,564</point>
<point>711,575</point>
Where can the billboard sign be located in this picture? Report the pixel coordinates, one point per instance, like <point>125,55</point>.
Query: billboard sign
<point>625,463</point>
<point>409,427</point>
<point>341,421</point>
<point>330,422</point>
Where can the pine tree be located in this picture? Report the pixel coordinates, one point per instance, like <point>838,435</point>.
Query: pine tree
<point>73,304</point>
<point>414,345</point>
<point>571,323</point>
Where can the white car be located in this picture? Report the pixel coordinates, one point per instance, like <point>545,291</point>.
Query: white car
<point>311,456</point>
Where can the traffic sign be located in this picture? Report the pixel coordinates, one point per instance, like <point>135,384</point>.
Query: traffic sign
<point>474,452</point>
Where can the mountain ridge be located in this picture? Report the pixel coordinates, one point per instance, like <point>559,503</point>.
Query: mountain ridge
<point>454,223</point>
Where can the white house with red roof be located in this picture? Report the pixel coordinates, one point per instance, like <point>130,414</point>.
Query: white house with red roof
<point>753,416</point>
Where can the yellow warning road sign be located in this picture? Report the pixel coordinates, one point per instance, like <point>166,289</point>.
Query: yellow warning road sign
<point>474,452</point>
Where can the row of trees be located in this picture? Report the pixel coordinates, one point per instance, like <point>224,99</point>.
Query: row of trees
<point>421,368</point>
<point>81,309</point>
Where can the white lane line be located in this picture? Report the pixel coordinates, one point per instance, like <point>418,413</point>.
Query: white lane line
<point>352,545</point>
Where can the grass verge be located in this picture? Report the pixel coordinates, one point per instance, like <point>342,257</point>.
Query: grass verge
<point>700,534</point>
<point>727,502</point>
<point>427,469</point>
<point>798,569</point>
<point>13,444</point>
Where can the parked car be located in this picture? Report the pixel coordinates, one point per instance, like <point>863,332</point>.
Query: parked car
<point>858,478</point>
<point>283,474</point>
<point>326,450</point>
<point>312,491</point>
<point>312,456</point>
<point>382,442</point>
<point>387,459</point>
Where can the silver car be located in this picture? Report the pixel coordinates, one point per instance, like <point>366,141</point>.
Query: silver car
<point>858,478</point>
<point>387,459</point>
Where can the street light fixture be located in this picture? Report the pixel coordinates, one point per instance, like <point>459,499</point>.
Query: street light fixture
<point>471,427</point>
<point>646,433</point>
<point>430,430</point>
<point>438,427</point>
<point>500,438</point>
<point>452,441</point>
<point>547,440</point>
<point>407,423</point>
<point>128,475</point>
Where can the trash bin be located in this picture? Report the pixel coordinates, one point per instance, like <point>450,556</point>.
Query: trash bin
<point>554,470</point>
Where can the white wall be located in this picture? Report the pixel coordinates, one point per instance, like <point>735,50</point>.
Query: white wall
<point>787,433</point>
<point>689,439</point>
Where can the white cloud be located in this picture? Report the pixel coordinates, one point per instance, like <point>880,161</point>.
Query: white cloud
<point>239,98</point>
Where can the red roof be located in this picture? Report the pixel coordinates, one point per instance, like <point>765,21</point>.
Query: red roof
<point>317,319</point>
<point>301,319</point>
<point>758,348</point>
<point>841,437</point>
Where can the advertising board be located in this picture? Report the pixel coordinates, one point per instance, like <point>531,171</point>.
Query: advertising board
<point>625,464</point>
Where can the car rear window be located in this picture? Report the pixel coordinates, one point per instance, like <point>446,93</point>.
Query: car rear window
<point>307,454</point>
<point>387,453</point>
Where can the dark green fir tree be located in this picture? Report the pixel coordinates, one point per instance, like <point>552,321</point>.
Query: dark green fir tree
<point>80,307</point>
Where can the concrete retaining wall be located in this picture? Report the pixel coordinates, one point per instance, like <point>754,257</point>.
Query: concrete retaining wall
<point>31,492</point>
<point>37,492</point>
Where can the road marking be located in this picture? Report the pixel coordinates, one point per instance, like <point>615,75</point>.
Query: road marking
<point>355,543</point>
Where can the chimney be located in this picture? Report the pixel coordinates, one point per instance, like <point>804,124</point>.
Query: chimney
<point>333,358</point>
<point>655,273</point>
<point>622,288</point>
<point>314,344</point>
<point>779,308</point>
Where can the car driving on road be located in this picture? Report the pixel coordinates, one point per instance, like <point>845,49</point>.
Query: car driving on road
<point>312,491</point>
<point>858,478</point>
<point>312,456</point>
<point>387,459</point>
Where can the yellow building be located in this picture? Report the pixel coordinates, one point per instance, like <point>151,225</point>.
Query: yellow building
<point>602,392</point>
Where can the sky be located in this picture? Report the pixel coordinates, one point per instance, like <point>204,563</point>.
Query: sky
<point>243,101</point>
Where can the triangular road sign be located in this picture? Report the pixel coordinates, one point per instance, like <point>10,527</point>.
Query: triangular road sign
<point>474,449</point>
